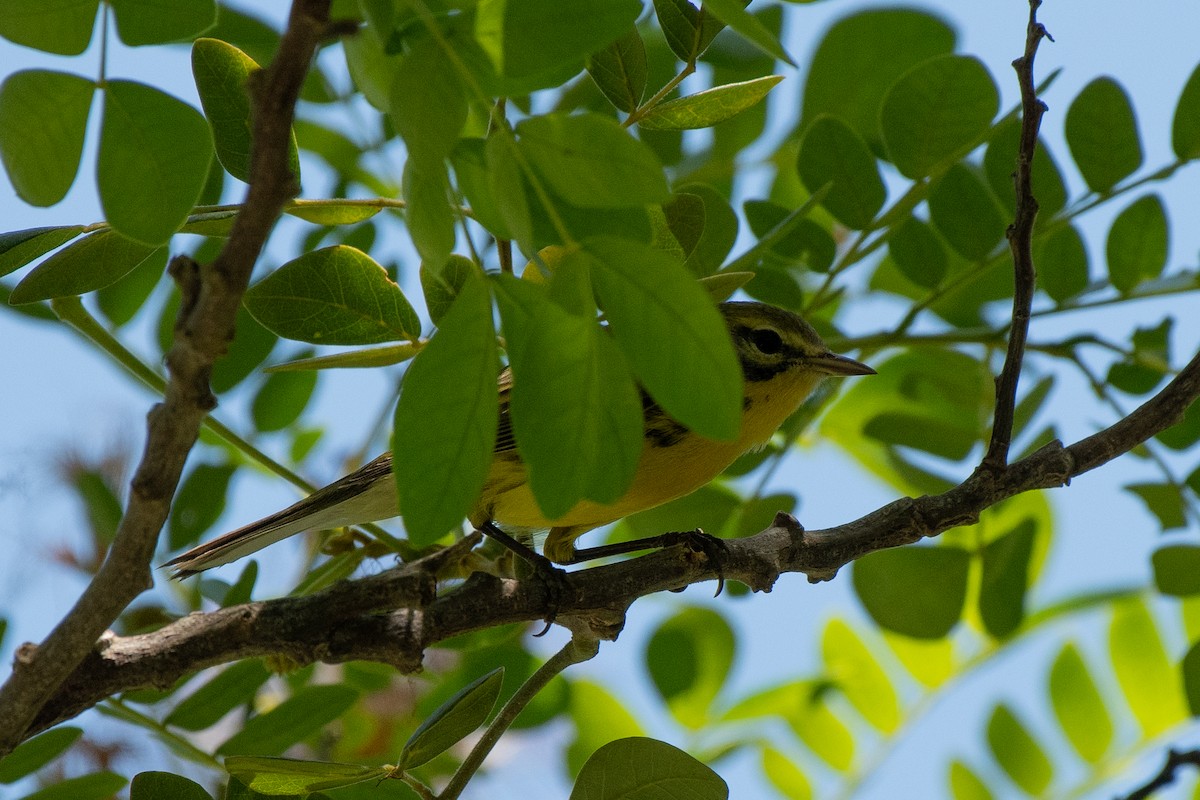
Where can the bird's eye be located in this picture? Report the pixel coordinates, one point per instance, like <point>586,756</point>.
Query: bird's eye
<point>766,340</point>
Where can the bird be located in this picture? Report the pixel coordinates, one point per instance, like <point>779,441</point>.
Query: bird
<point>783,360</point>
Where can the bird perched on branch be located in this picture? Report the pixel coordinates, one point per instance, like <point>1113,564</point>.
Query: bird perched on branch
<point>782,359</point>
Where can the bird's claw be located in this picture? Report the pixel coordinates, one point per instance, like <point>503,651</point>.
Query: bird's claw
<point>713,548</point>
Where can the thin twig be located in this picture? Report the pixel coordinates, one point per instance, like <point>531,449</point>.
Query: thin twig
<point>1166,775</point>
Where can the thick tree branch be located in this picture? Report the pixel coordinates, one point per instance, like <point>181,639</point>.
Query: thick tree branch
<point>1020,241</point>
<point>209,301</point>
<point>344,623</point>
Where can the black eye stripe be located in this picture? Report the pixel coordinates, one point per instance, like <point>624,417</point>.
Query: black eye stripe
<point>766,340</point>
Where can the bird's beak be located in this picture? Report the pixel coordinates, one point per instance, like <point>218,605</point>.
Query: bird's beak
<point>834,364</point>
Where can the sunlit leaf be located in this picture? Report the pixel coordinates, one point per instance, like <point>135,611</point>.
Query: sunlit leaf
<point>1102,134</point>
<point>661,771</point>
<point>1018,753</point>
<point>917,591</point>
<point>453,720</point>
<point>1078,705</point>
<point>1149,682</point>
<point>709,107</point>
<point>43,119</point>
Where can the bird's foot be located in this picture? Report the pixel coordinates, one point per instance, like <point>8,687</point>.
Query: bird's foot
<point>713,549</point>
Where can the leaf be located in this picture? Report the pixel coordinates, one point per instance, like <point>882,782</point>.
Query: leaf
<point>221,72</point>
<point>918,252</point>
<point>1185,125</point>
<point>1000,163</point>
<point>354,359</point>
<point>867,51</point>
<point>930,661</point>
<point>692,372</point>
<point>475,181</point>
<point>965,784</point>
<point>599,718</point>
<point>427,103</point>
<point>591,161</point>
<point>142,22</point>
<point>620,71</point>
<point>289,776</point>
<point>1102,134</point>
<point>784,775</point>
<point>709,107</point>
<point>429,215</point>
<point>335,295</point>
<point>722,285</point>
<point>805,706</point>
<point>1138,243</point>
<point>1062,263</point>
<point>1079,706</point>
<point>160,785</point>
<point>441,286</point>
<point>688,30</point>
<point>33,754</point>
<point>54,26</point>
<point>916,591</point>
<point>719,233</point>
<point>43,120</point>
<point>446,419</point>
<point>689,656</point>
<point>153,160</point>
<point>282,399</point>
<point>852,666</point>
<point>1006,579</point>
<point>572,392</point>
<point>199,503</point>
<point>304,713</point>
<point>966,213</point>
<point>121,301</point>
<point>734,14</point>
<point>18,248</point>
<point>1018,753</point>
<point>91,263</point>
<point>333,212</point>
<point>1148,681</point>
<point>832,153</point>
<point>248,350</point>
<point>661,771</point>
<point>1191,678</point>
<point>453,720</point>
<point>96,786</point>
<point>1165,502</point>
<point>936,112</point>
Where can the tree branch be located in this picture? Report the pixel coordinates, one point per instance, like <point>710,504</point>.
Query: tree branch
<point>1020,242</point>
<point>1165,776</point>
<point>210,297</point>
<point>343,623</point>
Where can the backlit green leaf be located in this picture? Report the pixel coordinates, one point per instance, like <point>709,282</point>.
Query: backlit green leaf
<point>1138,243</point>
<point>689,657</point>
<point>620,72</point>
<point>336,295</point>
<point>95,261</point>
<point>453,720</point>
<point>1139,659</point>
<point>965,784</point>
<point>662,771</point>
<point>1177,569</point>
<point>353,359</point>
<point>446,419</point>
<point>291,777</point>
<point>1018,753</point>
<point>18,248</point>
<point>734,14</point>
<point>96,786</point>
<point>43,119</point>
<point>852,666</point>
<point>916,591</point>
<point>1078,705</point>
<point>687,29</point>
<point>966,213</point>
<point>1191,678</point>
<point>710,107</point>
<point>832,153</point>
<point>1062,263</point>
<point>1000,162</point>
<point>1005,579</point>
<point>55,26</point>
<point>1185,126</point>
<point>918,252</point>
<point>720,230</point>
<point>337,212</point>
<point>153,160</point>
<point>142,22</point>
<point>1102,134</point>
<point>428,104</point>
<point>160,785</point>
<point>231,687</point>
<point>1165,502</point>
<point>303,714</point>
<point>33,754</point>
<point>282,399</point>
<point>784,775</point>
<point>198,504</point>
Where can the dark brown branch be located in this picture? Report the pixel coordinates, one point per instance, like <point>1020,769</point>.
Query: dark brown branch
<point>209,301</point>
<point>343,622</point>
<point>1166,776</point>
<point>1020,242</point>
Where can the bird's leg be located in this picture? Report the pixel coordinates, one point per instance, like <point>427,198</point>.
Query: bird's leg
<point>550,576</point>
<point>697,540</point>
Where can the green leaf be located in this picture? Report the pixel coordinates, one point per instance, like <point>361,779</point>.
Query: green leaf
<point>662,771</point>
<point>734,14</point>
<point>692,372</point>
<point>441,286</point>
<point>1062,263</point>
<point>221,72</point>
<point>784,775</point>
<point>918,252</point>
<point>1018,753</point>
<point>249,348</point>
<point>142,22</point>
<point>688,30</point>
<point>54,26</point>
<point>199,503</point>
<point>427,103</point>
<point>1165,502</point>
<point>96,786</point>
<point>18,248</point>
<point>1149,682</point>
<point>43,120</point>
<point>942,437</point>
<point>453,720</point>
<point>282,399</point>
<point>858,675</point>
<point>591,161</point>
<point>429,215</point>
<point>289,776</point>
<point>966,212</point>
<point>936,112</point>
<point>1079,706</point>
<point>153,160</point>
<point>336,295</point>
<point>710,107</point>
<point>1138,244</point>
<point>95,261</point>
<point>333,212</point>
<point>916,591</point>
<point>1185,126</point>
<point>793,241</point>
<point>804,706</point>
<point>965,784</point>
<point>528,37</point>
<point>832,153</point>
<point>475,179</point>
<point>721,286</point>
<point>572,392</point>
<point>121,301</point>
<point>1184,433</point>
<point>689,657</point>
<point>33,754</point>
<point>1191,678</point>
<point>867,51</point>
<point>620,70</point>
<point>1102,134</point>
<point>1005,579</point>
<point>446,419</point>
<point>162,785</point>
<point>599,718</point>
<point>303,714</point>
<point>1000,162</point>
<point>720,230</point>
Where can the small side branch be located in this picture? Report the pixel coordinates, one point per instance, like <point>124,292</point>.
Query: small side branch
<point>1166,775</point>
<point>1020,242</point>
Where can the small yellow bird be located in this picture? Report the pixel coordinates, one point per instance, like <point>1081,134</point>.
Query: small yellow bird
<point>782,357</point>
